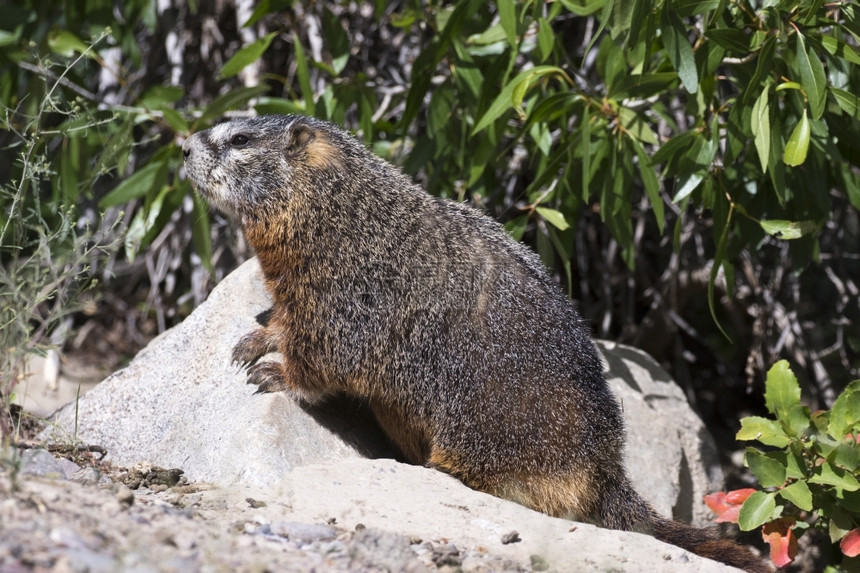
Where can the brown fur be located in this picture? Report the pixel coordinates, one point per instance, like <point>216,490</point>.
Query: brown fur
<point>472,359</point>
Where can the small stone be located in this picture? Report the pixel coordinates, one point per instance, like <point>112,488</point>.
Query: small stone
<point>446,555</point>
<point>254,503</point>
<point>511,537</point>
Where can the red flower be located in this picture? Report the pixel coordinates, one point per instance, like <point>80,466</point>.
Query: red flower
<point>783,543</point>
<point>850,544</point>
<point>727,506</point>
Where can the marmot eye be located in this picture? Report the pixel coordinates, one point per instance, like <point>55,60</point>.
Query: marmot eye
<point>239,140</point>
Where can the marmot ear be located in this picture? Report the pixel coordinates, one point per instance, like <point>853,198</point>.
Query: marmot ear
<point>313,145</point>
<point>299,137</point>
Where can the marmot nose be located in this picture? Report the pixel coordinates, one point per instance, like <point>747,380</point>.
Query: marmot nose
<point>185,153</point>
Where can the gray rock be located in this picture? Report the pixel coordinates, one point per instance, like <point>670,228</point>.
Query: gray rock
<point>180,403</point>
<point>450,520</point>
<point>669,454</point>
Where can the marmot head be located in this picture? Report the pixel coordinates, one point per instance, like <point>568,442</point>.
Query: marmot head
<point>250,167</point>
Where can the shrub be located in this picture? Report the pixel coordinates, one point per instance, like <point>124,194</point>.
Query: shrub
<point>808,472</point>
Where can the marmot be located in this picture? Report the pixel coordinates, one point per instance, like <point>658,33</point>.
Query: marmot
<point>471,357</point>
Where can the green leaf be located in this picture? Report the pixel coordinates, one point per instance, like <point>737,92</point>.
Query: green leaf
<point>508,20</point>
<point>545,39</point>
<point>158,96</point>
<point>201,233</point>
<point>761,128</point>
<point>678,47</point>
<point>845,414</point>
<point>757,510</point>
<point>798,143</point>
<point>840,49</point>
<point>845,456</point>
<point>505,100</point>
<point>140,183</point>
<point>303,75</point>
<point>583,7</point>
<point>517,227</point>
<point>768,471</point>
<point>788,229</point>
<point>849,102</point>
<point>730,38</point>
<point>687,184</point>
<point>277,105</point>
<point>812,77</point>
<point>642,85</point>
<point>176,122</point>
<point>636,126</point>
<point>766,431</point>
<point>719,260</point>
<point>827,474</point>
<point>763,67</point>
<point>142,223</point>
<point>336,40</point>
<point>799,494</point>
<point>554,217</point>
<point>65,43</point>
<point>227,101</point>
<point>782,392</point>
<point>788,86</point>
<point>9,38</point>
<point>247,55</point>
<point>652,186</point>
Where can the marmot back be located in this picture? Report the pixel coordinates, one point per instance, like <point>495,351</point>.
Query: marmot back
<point>470,356</point>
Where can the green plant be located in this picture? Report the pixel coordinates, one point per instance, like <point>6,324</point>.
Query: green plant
<point>809,471</point>
<point>46,251</point>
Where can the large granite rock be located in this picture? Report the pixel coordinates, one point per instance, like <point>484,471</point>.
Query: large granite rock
<point>180,403</point>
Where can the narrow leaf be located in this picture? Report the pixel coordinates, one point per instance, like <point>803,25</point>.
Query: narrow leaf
<point>686,185</point>
<point>246,56</point>
<point>554,217</point>
<point>760,124</point>
<point>798,143</point>
<point>812,77</point>
<point>849,102</point>
<point>137,185</point>
<point>652,186</point>
<point>678,47</point>
<point>303,75</point>
<point>840,49</point>
<point>504,100</point>
<point>508,20</point>
<point>227,101</point>
<point>787,229</point>
<point>719,258</point>
<point>65,43</point>
<point>201,231</point>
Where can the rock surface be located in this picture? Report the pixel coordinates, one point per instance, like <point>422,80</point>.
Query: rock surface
<point>180,403</point>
